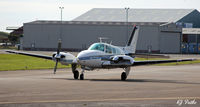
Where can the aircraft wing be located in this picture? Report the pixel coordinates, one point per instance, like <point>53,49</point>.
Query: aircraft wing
<point>137,63</point>
<point>30,54</point>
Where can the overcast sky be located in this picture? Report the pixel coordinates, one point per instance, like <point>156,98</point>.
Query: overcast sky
<point>17,12</point>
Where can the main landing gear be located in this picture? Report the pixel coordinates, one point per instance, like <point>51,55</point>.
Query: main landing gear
<point>125,74</point>
<point>82,75</point>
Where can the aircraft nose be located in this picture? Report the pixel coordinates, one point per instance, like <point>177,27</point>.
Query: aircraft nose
<point>81,55</point>
<point>84,55</point>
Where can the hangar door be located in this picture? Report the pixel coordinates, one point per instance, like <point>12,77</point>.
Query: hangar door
<point>170,42</point>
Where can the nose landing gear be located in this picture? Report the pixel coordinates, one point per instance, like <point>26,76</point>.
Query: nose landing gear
<point>76,74</point>
<point>75,71</point>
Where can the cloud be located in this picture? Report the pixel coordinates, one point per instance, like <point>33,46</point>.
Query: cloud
<point>17,12</point>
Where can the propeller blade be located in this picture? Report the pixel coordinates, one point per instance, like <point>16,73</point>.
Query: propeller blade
<point>59,46</point>
<point>55,66</point>
<point>58,52</point>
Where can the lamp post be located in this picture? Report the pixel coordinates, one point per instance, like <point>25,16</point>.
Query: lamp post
<point>127,8</point>
<point>61,10</point>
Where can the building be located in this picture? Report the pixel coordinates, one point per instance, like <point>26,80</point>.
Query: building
<point>160,30</point>
<point>191,40</point>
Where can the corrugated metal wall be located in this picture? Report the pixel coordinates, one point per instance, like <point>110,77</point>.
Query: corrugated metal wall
<point>76,37</point>
<point>73,36</point>
<point>169,42</point>
<point>148,38</point>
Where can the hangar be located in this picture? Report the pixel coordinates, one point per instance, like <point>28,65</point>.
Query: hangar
<point>159,29</point>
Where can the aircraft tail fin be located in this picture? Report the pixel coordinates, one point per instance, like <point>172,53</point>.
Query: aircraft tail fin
<point>130,47</point>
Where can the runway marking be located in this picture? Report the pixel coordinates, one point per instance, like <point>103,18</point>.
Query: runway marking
<point>101,100</point>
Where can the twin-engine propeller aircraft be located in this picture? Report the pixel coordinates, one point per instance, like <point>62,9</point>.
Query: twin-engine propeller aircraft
<point>100,56</point>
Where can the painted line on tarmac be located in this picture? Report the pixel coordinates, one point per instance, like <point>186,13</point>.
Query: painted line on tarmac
<point>102,100</point>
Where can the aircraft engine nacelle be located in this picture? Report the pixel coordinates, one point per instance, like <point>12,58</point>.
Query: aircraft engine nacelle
<point>117,59</point>
<point>122,59</point>
<point>64,58</point>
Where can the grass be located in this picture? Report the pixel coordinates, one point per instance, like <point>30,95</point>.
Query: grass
<point>144,59</point>
<point>20,62</point>
<point>169,64</point>
<point>8,47</point>
<point>179,63</point>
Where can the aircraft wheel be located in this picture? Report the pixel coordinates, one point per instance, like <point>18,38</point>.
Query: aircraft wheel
<point>76,74</point>
<point>82,77</point>
<point>123,76</point>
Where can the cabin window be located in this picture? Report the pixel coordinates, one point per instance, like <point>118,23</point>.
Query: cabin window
<point>118,51</point>
<point>113,50</point>
<point>108,49</point>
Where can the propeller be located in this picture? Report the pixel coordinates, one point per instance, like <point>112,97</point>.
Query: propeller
<point>58,54</point>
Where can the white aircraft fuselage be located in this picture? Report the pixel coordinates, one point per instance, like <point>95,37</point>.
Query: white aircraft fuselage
<point>97,56</point>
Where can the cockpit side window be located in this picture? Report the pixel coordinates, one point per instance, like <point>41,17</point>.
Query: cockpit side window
<point>106,48</point>
<point>97,46</point>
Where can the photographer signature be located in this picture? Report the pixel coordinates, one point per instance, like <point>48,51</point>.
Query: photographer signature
<point>186,102</point>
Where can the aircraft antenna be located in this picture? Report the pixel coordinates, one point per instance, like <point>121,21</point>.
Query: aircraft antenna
<point>103,38</point>
<point>111,42</point>
<point>100,39</point>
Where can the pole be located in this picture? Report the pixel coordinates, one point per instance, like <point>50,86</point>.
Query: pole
<point>61,10</point>
<point>181,42</point>
<point>127,8</point>
<point>197,44</point>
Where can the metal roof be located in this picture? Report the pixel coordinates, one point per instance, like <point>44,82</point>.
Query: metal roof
<point>134,15</point>
<point>92,22</point>
<point>12,28</point>
<point>191,30</point>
